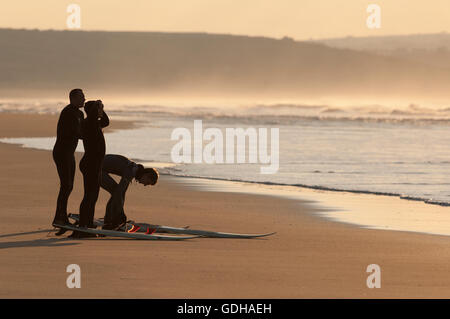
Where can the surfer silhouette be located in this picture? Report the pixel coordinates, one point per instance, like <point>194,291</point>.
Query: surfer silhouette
<point>91,163</point>
<point>67,134</point>
<point>128,170</point>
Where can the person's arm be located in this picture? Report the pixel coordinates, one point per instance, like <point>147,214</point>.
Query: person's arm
<point>121,189</point>
<point>127,177</point>
<point>104,120</point>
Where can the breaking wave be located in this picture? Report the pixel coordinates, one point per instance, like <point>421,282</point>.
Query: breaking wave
<point>261,113</point>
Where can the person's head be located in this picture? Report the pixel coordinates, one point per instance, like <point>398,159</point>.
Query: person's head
<point>147,176</point>
<point>76,97</point>
<point>93,108</point>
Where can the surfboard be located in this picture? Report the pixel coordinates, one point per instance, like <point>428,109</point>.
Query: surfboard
<point>133,227</point>
<point>115,233</point>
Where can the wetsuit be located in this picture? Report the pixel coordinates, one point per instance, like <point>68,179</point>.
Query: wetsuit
<point>67,135</point>
<point>91,165</point>
<point>121,166</point>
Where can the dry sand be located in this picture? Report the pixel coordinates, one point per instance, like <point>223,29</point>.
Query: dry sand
<point>309,257</point>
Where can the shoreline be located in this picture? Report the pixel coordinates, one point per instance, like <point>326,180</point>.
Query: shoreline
<point>309,257</point>
<point>346,207</point>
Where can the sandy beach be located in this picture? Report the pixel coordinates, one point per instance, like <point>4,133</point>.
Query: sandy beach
<point>309,257</point>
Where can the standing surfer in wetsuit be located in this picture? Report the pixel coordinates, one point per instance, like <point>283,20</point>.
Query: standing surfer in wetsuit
<point>120,165</point>
<point>67,135</point>
<point>91,163</point>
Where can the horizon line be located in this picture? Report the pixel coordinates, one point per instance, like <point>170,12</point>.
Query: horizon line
<point>227,34</point>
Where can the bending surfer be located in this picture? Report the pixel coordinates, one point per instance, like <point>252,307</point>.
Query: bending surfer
<point>67,135</point>
<point>128,170</point>
<point>91,163</point>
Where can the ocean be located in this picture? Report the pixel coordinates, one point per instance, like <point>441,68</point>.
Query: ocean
<point>375,149</point>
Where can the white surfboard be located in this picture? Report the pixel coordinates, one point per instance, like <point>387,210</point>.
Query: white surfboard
<point>115,233</point>
<point>150,229</point>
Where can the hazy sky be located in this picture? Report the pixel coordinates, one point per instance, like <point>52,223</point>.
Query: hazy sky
<point>300,19</point>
